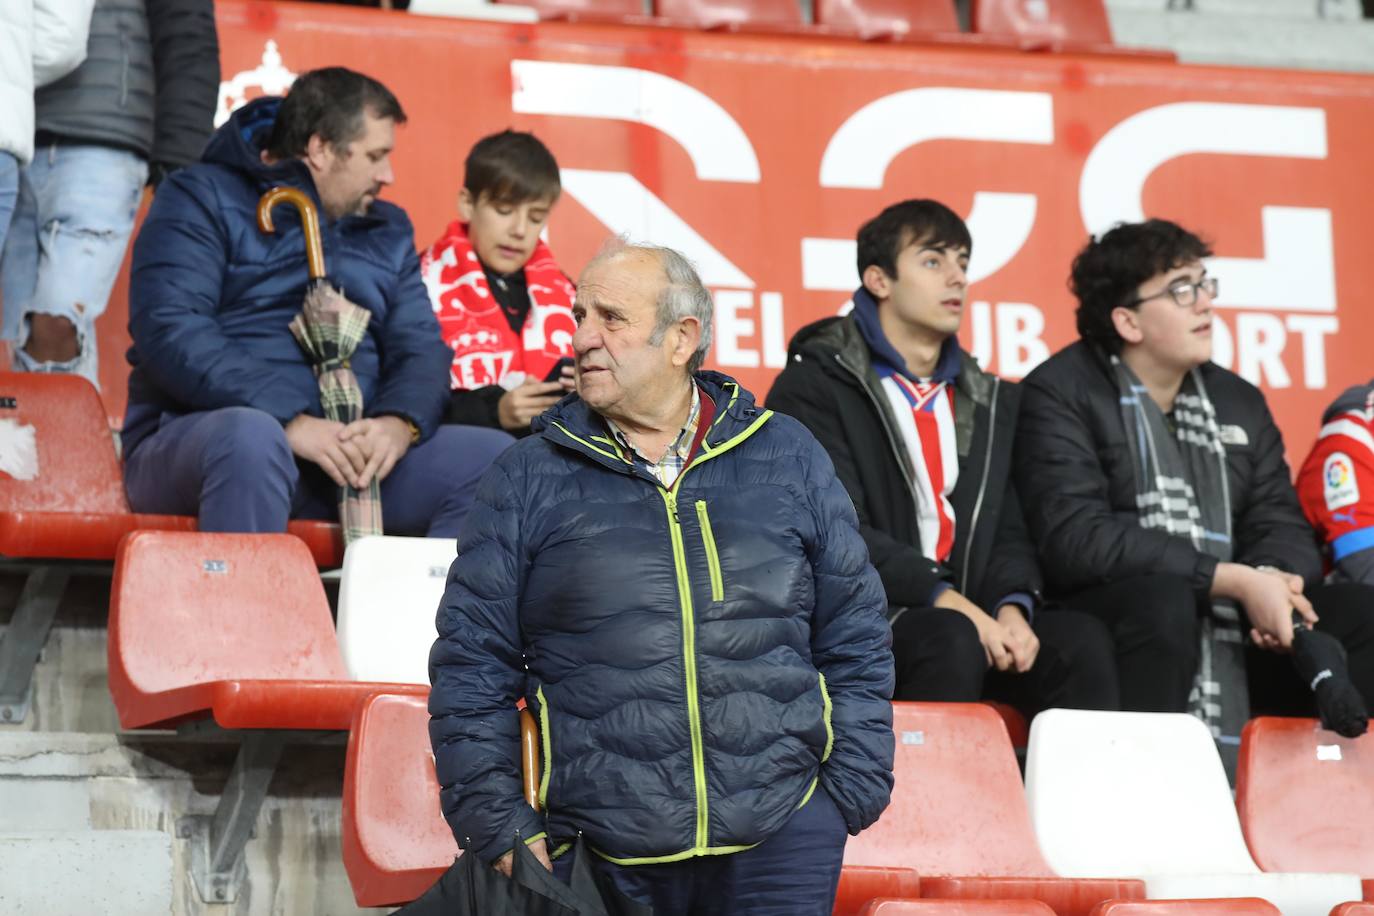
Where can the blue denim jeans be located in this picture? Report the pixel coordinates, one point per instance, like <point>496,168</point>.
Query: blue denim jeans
<point>66,242</point>
<point>234,470</point>
<point>9,191</point>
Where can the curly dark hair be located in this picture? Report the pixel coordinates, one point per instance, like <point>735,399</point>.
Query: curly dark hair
<point>1107,273</point>
<point>882,238</point>
<point>329,102</point>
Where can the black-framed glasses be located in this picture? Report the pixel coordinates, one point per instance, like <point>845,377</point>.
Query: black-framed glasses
<point>1183,293</point>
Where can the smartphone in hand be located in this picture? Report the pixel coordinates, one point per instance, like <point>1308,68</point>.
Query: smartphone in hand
<point>556,372</point>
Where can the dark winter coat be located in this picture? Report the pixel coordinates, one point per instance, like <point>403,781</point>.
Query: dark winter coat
<point>700,658</point>
<point>1076,477</point>
<point>149,83</point>
<point>211,297</point>
<point>830,385</point>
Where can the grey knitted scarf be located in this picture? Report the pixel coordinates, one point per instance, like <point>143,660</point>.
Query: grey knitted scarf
<point>1181,488</point>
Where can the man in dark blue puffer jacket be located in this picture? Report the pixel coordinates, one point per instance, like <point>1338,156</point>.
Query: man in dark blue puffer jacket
<point>224,418</point>
<point>674,580</point>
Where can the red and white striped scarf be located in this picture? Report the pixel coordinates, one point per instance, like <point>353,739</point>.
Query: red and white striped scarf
<point>925,416</point>
<point>485,349</point>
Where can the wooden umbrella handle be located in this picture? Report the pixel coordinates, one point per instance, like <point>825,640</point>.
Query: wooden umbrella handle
<point>310,223</point>
<point>529,757</point>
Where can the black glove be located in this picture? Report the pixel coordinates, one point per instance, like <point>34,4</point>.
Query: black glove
<point>1320,660</point>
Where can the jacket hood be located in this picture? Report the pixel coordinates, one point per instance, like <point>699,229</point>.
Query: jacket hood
<point>885,356</point>
<point>239,142</point>
<point>735,408</point>
<point>847,337</point>
<point>1355,398</point>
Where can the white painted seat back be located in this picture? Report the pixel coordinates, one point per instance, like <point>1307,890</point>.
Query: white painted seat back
<point>389,593</point>
<point>1117,794</point>
<point>1144,795</point>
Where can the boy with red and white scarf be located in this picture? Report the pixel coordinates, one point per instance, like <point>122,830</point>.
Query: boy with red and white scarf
<point>504,306</point>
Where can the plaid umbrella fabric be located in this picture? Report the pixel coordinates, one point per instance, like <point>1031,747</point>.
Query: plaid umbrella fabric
<point>329,329</point>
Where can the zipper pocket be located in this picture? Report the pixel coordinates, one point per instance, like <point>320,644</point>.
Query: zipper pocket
<point>712,558</point>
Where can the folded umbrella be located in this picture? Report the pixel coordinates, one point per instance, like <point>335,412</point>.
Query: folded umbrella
<point>469,888</point>
<point>329,329</point>
<point>1320,660</point>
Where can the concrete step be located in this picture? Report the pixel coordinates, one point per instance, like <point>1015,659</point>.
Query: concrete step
<point>140,783</point>
<point>70,687</point>
<point>1342,10</point>
<point>86,873</point>
<point>1207,38</point>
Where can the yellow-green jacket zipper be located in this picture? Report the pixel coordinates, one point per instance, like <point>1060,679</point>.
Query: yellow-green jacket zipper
<point>689,653</point>
<point>708,538</point>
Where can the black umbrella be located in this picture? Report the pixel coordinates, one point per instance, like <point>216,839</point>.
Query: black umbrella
<point>469,888</point>
<point>1320,660</point>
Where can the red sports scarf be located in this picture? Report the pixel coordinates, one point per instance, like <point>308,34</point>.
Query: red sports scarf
<point>485,350</point>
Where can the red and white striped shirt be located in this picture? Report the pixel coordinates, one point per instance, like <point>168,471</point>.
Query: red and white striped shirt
<point>925,417</point>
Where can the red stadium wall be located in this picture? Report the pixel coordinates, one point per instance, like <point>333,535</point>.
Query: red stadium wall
<point>761,154</point>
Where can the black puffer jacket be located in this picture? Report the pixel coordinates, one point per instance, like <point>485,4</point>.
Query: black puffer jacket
<point>1074,471</point>
<point>829,384</point>
<point>149,82</point>
<point>701,658</point>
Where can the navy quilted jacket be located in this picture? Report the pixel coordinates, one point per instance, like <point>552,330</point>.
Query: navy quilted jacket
<point>211,297</point>
<point>699,657</point>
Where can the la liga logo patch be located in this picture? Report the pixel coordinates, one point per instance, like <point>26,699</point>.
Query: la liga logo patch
<point>1339,485</point>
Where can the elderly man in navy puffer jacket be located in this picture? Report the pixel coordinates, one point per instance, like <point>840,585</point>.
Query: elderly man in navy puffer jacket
<point>224,418</point>
<point>674,580</point>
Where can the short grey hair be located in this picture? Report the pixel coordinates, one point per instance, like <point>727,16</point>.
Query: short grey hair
<point>683,294</point>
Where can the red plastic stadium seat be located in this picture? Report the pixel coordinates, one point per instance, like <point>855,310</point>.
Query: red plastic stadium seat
<point>958,817</point>
<point>1225,906</point>
<point>711,14</point>
<point>1044,22</point>
<point>597,9</point>
<point>861,884</point>
<point>956,908</point>
<point>887,18</point>
<point>74,507</point>
<point>1306,798</point>
<point>231,625</point>
<point>396,842</point>
<point>77,470</point>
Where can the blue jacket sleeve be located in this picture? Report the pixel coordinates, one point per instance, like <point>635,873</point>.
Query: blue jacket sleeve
<point>415,359</point>
<point>851,645</point>
<point>476,672</point>
<point>174,293</point>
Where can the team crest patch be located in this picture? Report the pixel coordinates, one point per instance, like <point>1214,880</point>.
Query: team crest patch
<point>1338,481</point>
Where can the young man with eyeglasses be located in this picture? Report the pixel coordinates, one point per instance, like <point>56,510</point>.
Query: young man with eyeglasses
<point>1155,487</point>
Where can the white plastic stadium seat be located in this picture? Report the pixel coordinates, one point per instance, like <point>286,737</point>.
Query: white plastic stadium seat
<point>1144,795</point>
<point>388,595</point>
